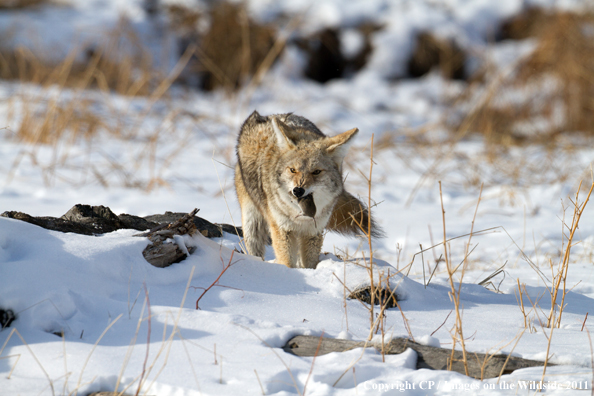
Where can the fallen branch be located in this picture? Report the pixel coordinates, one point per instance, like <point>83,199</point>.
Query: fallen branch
<point>428,357</point>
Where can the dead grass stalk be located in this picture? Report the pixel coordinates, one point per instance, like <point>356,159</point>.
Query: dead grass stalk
<point>366,230</point>
<point>458,334</point>
<point>561,276</point>
<point>121,63</point>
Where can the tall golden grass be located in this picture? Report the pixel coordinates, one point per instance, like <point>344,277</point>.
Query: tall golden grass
<point>120,63</point>
<point>230,51</point>
<point>65,112</point>
<point>554,85</point>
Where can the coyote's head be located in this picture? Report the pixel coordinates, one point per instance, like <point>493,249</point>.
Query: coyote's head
<point>309,169</point>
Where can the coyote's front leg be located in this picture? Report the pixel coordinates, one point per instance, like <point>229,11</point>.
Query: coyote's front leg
<point>309,250</point>
<point>285,246</point>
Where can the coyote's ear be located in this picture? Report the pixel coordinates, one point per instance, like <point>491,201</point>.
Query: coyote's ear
<point>285,135</point>
<point>337,146</point>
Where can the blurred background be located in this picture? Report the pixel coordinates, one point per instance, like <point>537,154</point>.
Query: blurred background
<point>137,97</point>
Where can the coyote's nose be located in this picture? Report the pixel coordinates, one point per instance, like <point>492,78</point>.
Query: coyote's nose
<point>298,192</point>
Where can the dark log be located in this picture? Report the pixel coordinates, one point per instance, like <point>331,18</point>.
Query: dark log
<point>86,220</point>
<point>208,229</point>
<point>162,253</point>
<point>100,219</point>
<point>51,223</point>
<point>480,366</point>
<point>96,220</point>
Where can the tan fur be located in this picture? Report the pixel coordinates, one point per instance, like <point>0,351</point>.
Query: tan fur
<point>282,159</point>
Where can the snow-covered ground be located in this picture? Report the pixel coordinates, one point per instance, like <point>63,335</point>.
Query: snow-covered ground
<point>124,320</point>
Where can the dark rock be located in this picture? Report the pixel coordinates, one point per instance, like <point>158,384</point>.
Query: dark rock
<point>7,316</point>
<point>382,296</point>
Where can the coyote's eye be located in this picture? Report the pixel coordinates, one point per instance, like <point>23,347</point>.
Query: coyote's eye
<point>316,172</point>
<point>292,170</point>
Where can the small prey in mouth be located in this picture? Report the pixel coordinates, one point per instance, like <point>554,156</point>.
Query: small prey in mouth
<point>307,205</point>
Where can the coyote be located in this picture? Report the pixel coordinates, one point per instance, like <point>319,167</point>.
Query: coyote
<point>289,184</point>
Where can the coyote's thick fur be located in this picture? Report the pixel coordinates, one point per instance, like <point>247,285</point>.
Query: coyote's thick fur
<point>289,183</point>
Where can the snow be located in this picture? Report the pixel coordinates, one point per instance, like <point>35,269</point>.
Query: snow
<point>114,309</point>
<point>81,285</point>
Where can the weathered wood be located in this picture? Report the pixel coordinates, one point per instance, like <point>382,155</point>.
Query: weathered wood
<point>308,345</point>
<point>51,223</point>
<point>208,229</point>
<point>162,252</point>
<point>96,220</point>
<point>86,220</point>
<point>480,365</point>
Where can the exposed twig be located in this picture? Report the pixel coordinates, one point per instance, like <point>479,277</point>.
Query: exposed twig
<point>562,276</point>
<point>444,322</point>
<point>216,281</point>
<point>148,338</point>
<point>455,294</point>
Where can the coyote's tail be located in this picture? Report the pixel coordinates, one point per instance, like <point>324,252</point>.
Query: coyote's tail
<point>348,214</point>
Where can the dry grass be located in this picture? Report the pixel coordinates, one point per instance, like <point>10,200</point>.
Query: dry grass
<point>533,116</point>
<point>560,277</point>
<point>235,50</point>
<point>121,63</point>
<point>230,51</point>
<point>20,4</point>
<point>550,91</point>
<point>183,20</point>
<point>61,117</point>
<point>47,121</point>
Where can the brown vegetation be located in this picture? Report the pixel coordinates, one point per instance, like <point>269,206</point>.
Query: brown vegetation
<point>432,52</point>
<point>325,60</point>
<point>120,64</point>
<point>230,51</point>
<point>529,23</point>
<point>554,84</point>
<point>18,4</point>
